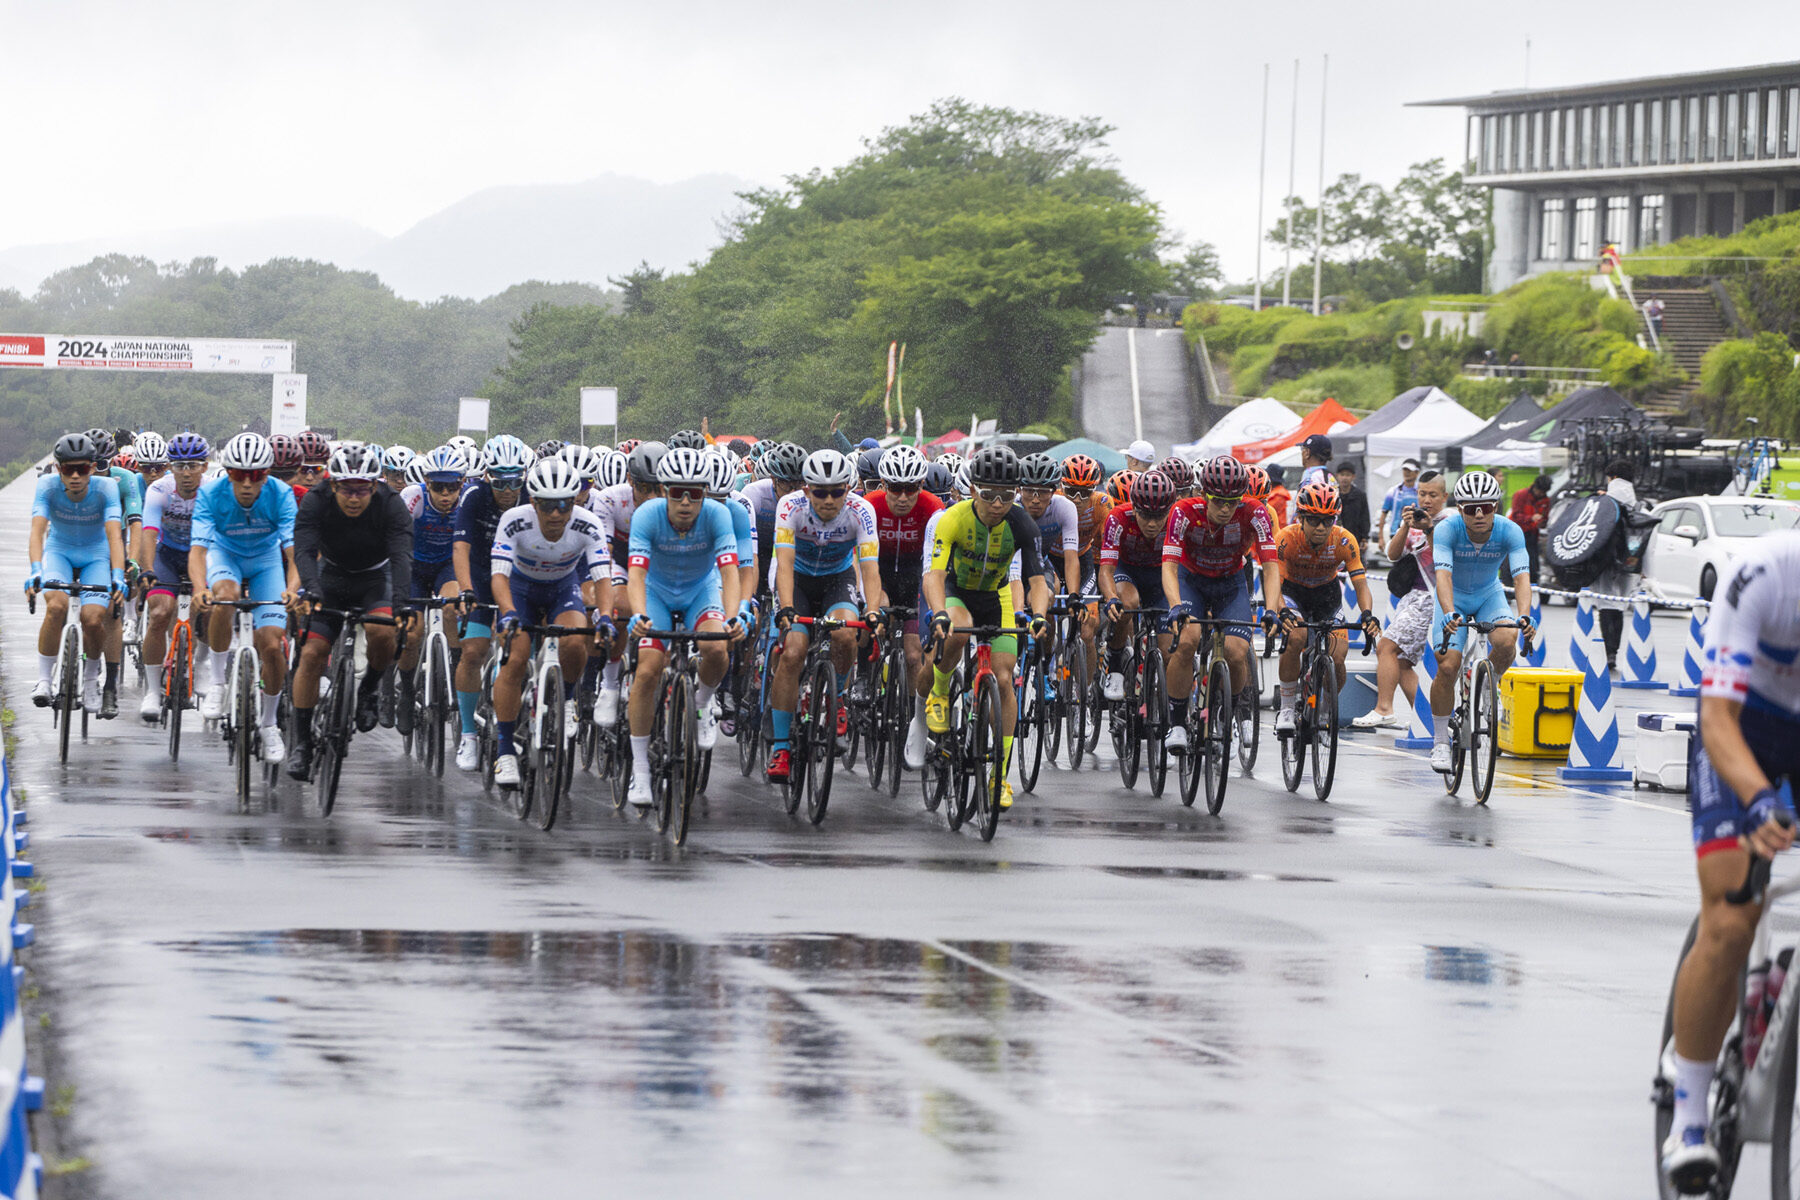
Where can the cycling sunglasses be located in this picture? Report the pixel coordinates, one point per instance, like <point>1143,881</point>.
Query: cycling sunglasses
<point>1316,521</point>
<point>354,488</point>
<point>690,495</point>
<point>1234,501</point>
<point>1037,492</point>
<point>253,475</point>
<point>996,495</point>
<point>1478,510</point>
<point>75,468</point>
<point>507,482</point>
<point>1078,493</point>
<point>902,489</point>
<point>446,488</point>
<point>566,504</point>
<point>826,493</point>
<point>310,468</point>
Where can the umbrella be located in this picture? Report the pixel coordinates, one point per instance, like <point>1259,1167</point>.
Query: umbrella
<point>1110,460</point>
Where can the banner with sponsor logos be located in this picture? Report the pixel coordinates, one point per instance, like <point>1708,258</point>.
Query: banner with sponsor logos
<point>108,353</point>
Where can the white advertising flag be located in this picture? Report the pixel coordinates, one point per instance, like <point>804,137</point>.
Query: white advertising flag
<point>599,406</point>
<point>472,413</point>
<point>287,412</point>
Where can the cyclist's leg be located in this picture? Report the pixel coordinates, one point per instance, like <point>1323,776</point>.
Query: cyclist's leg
<point>785,684</point>
<point>424,576</point>
<point>838,599</point>
<point>570,611</point>
<point>477,639</point>
<point>1443,688</point>
<point>529,603</point>
<point>57,569</point>
<point>707,608</point>
<point>266,583</point>
<point>622,614</point>
<point>1178,671</point>
<point>1503,643</point>
<point>646,683</point>
<point>1228,599</point>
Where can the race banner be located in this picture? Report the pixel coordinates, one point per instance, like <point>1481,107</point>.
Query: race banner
<point>108,353</point>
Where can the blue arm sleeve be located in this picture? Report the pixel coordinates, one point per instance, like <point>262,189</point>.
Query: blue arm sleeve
<point>109,492</point>
<point>40,500</point>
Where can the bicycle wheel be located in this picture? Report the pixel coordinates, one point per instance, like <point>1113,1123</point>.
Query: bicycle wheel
<point>1484,730</point>
<point>243,719</point>
<point>881,706</point>
<point>1459,751</point>
<point>550,750</point>
<point>1784,1183</point>
<point>175,687</point>
<point>662,766</point>
<point>616,760</point>
<point>1323,718</point>
<point>1192,765</point>
<point>1219,732</point>
<point>440,708</point>
<point>988,770</point>
<point>749,722</point>
<point>1128,738</point>
<point>1250,714</point>
<point>683,748</point>
<point>331,722</point>
<point>821,734</point>
<point>1293,746</point>
<point>1032,727</point>
<point>1156,721</point>
<point>1080,682</point>
<point>70,657</point>
<point>899,719</point>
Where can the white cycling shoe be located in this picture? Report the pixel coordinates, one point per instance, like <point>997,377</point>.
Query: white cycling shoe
<point>151,707</point>
<point>274,749</point>
<point>468,752</point>
<point>1440,757</point>
<point>706,727</point>
<point>571,721</point>
<point>639,795</point>
<point>1284,721</point>
<point>40,693</point>
<point>1177,739</point>
<point>1114,687</point>
<point>90,695</point>
<point>212,708</point>
<point>916,743</point>
<point>506,770</point>
<point>1690,1161</point>
<point>606,706</point>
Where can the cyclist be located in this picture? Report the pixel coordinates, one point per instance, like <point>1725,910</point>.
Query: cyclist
<point>617,508</point>
<point>550,565</point>
<point>152,452</point>
<point>1057,521</point>
<point>783,464</point>
<point>76,530</point>
<point>1311,553</point>
<point>1468,550</point>
<point>394,462</point>
<point>721,474</point>
<point>939,483</point>
<point>131,504</point>
<point>287,462</point>
<point>431,504</point>
<point>168,525</point>
<point>315,452</point>
<point>969,583</point>
<point>1118,486</point>
<point>868,470</point>
<point>824,537</point>
<point>504,460</point>
<point>903,512</point>
<point>1131,565</point>
<point>683,560</point>
<point>1749,741</point>
<point>353,545</point>
<point>1208,539</point>
<point>242,541</point>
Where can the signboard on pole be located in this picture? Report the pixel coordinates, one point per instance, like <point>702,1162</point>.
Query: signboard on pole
<point>105,352</point>
<point>472,413</point>
<point>599,406</point>
<point>287,410</point>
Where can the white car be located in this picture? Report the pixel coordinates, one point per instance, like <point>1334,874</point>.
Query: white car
<point>1696,538</point>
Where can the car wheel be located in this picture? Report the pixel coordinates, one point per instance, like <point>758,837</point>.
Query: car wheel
<point>1709,579</point>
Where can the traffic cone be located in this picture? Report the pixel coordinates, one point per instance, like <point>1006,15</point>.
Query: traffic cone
<point>1640,653</point>
<point>1539,649</point>
<point>1584,632</point>
<point>1594,753</point>
<point>1420,731</point>
<point>1691,654</point>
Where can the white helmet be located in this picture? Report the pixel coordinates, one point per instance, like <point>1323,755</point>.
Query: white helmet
<point>951,461</point>
<point>1476,487</point>
<point>827,468</point>
<point>903,464</point>
<point>247,452</point>
<point>683,466</point>
<point>505,453</point>
<point>396,458</point>
<point>355,462</point>
<point>611,471</point>
<point>963,486</point>
<point>415,471</point>
<point>721,471</point>
<point>150,448</point>
<point>446,460</point>
<point>585,461</point>
<point>553,479</point>
<point>468,445</point>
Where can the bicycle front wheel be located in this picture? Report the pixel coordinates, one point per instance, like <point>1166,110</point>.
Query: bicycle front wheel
<point>1293,744</point>
<point>1031,727</point>
<point>1251,714</point>
<point>1128,737</point>
<point>71,686</point>
<point>821,737</point>
<point>1784,1183</point>
<point>1076,705</point>
<point>243,716</point>
<point>1484,730</point>
<point>440,707</point>
<point>1156,720</point>
<point>1323,718</point>
<point>175,687</point>
<point>551,751</point>
<point>1219,730</point>
<point>683,752</point>
<point>988,768</point>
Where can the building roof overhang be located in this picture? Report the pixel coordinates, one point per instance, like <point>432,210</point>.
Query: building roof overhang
<point>1648,84</point>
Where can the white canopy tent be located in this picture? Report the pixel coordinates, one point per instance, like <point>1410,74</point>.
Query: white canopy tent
<point>1252,421</point>
<point>1435,420</point>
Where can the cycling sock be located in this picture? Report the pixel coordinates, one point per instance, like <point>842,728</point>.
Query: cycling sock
<point>1178,712</point>
<point>153,680</point>
<point>506,731</point>
<point>1693,1080</point>
<point>1440,730</point>
<point>46,664</point>
<point>302,726</point>
<point>112,674</point>
<point>269,705</point>
<point>372,677</point>
<point>1289,691</point>
<point>703,695</point>
<point>90,670</point>
<point>569,690</point>
<point>609,677</point>
<point>591,674</point>
<point>1115,660</point>
<point>466,703</point>
<point>640,756</point>
<point>940,682</point>
<point>1005,755</point>
<point>215,667</point>
<point>784,722</point>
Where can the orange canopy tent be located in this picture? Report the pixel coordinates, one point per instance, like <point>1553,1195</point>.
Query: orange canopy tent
<point>1329,415</point>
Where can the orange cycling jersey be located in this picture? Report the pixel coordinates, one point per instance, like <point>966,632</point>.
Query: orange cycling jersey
<point>1090,518</point>
<point>1305,567</point>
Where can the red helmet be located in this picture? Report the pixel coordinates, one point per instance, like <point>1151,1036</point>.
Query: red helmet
<point>314,447</point>
<point>125,458</point>
<point>1153,492</point>
<point>628,445</point>
<point>1224,476</point>
<point>1081,471</point>
<point>1179,473</point>
<point>1318,499</point>
<point>1259,483</point>
<point>288,455</point>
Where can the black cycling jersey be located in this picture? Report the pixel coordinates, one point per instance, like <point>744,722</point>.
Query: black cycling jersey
<point>381,537</point>
<point>477,518</point>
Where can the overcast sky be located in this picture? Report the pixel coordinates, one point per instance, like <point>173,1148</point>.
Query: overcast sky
<point>124,116</point>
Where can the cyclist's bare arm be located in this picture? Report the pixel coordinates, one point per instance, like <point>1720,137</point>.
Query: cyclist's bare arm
<point>1271,573</point>
<point>197,574</point>
<point>459,561</point>
<point>635,588</point>
<point>933,585</point>
<point>40,529</point>
<point>1039,595</point>
<point>1446,592</point>
<point>1522,592</point>
<point>1171,580</point>
<point>784,576</point>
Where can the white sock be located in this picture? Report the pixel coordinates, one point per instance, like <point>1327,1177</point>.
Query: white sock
<point>269,705</point>
<point>1693,1080</point>
<point>640,756</point>
<point>46,664</point>
<point>1440,730</point>
<point>703,695</point>
<point>1289,692</point>
<point>153,677</point>
<point>919,708</point>
<point>215,668</point>
<point>90,669</point>
<point>609,676</point>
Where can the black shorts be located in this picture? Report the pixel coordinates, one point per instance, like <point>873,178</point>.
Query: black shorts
<point>817,595</point>
<point>902,587</point>
<point>1324,602</point>
<point>365,591</point>
<point>1090,575</point>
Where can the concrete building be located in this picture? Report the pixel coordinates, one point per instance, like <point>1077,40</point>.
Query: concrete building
<point>1636,162</point>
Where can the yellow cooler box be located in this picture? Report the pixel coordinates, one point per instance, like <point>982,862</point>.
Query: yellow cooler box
<point>1537,711</point>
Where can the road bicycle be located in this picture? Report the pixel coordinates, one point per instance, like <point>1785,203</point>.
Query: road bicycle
<point>753,728</point>
<point>65,676</point>
<point>886,699</point>
<point>1315,732</point>
<point>1752,1099</point>
<point>1212,719</point>
<point>1475,721</point>
<point>1143,714</point>
<point>433,700</point>
<point>241,721</point>
<point>813,741</point>
<point>178,669</point>
<point>334,717</point>
<point>1035,716</point>
<point>965,767</point>
<point>547,755</point>
<point>1075,706</point>
<point>676,759</point>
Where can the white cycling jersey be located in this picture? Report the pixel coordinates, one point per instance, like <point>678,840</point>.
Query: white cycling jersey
<point>1752,646</point>
<point>824,547</point>
<point>615,507</point>
<point>521,547</point>
<point>167,515</point>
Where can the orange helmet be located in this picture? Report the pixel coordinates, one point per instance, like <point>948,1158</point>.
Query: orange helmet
<point>1119,486</point>
<point>1318,499</point>
<point>1081,471</point>
<point>1259,483</point>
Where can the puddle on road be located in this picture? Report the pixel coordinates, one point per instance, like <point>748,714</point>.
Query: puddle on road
<point>1213,875</point>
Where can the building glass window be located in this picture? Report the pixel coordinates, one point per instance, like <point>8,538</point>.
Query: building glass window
<point>1516,160</point>
<point>1792,144</point>
<point>1728,142</point>
<point>1752,140</point>
<point>1655,141</point>
<point>1637,134</point>
<point>1534,145</point>
<point>1650,220</point>
<point>1618,220</point>
<point>1690,134</point>
<point>1602,134</point>
<point>1550,235</point>
<point>1709,142</point>
<point>1571,132</point>
<point>1487,145</point>
<point>1771,142</point>
<point>1503,155</point>
<point>1586,218</point>
<point>1584,145</point>
<point>1472,143</point>
<point>1621,134</point>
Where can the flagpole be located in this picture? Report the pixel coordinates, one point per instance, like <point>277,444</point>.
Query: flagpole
<point>1319,226</point>
<point>1262,161</point>
<point>1287,259</point>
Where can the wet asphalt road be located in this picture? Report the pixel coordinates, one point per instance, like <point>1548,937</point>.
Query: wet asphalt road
<point>1164,402</point>
<point>1394,994</point>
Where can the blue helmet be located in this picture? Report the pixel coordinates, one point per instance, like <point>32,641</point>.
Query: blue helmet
<point>446,464</point>
<point>868,444</point>
<point>189,447</point>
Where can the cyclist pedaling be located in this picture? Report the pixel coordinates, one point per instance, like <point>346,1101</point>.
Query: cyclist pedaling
<point>1468,550</point>
<point>353,547</point>
<point>617,507</point>
<point>1130,574</point>
<point>76,537</point>
<point>168,536</point>
<point>503,463</point>
<point>1312,552</point>
<point>903,510</point>
<point>431,504</point>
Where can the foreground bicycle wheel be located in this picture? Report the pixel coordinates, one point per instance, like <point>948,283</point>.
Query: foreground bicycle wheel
<point>1156,721</point>
<point>1323,717</point>
<point>684,748</point>
<point>70,691</point>
<point>244,719</point>
<point>1032,727</point>
<point>1294,746</point>
<point>987,771</point>
<point>1220,730</point>
<point>821,734</point>
<point>1252,715</point>
<point>1484,730</point>
<point>175,687</point>
<point>1128,733</point>
<point>551,752</point>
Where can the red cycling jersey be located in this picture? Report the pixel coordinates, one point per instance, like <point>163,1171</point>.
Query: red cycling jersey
<point>1123,542</point>
<point>1216,553</point>
<point>902,539</point>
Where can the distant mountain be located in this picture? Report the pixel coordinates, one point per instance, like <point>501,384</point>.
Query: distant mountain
<point>479,246</point>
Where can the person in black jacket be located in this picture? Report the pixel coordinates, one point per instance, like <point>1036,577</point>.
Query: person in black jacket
<point>353,550</point>
<point>1353,513</point>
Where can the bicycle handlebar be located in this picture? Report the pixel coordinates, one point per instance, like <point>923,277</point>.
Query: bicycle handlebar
<point>1326,627</point>
<point>71,588</point>
<point>1756,879</point>
<point>1484,628</point>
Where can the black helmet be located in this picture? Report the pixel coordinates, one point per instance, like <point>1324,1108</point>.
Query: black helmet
<point>76,447</point>
<point>687,439</point>
<point>104,446</point>
<point>550,447</point>
<point>640,466</point>
<point>994,466</point>
<point>868,464</point>
<point>938,480</point>
<point>1039,471</point>
<point>785,462</point>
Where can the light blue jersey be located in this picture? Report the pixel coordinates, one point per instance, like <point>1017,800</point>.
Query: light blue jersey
<point>743,524</point>
<point>77,524</point>
<point>131,492</point>
<point>676,563</point>
<point>1475,569</point>
<point>221,523</point>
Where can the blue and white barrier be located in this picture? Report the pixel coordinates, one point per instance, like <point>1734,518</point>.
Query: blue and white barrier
<point>1693,654</point>
<point>1640,652</point>
<point>1594,754</point>
<point>21,1171</point>
<point>1584,631</point>
<point>1540,649</point>
<point>1421,730</point>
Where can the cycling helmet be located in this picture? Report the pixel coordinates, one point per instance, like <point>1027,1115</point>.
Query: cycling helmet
<point>466,444</point>
<point>786,462</point>
<point>505,453</point>
<point>396,458</point>
<point>104,445</point>
<point>758,449</point>
<point>189,447</point>
<point>1039,471</point>
<point>1118,486</point>
<point>247,452</point>
<point>1476,487</point>
<point>415,472</point>
<point>314,448</point>
<point>951,461</point>
<point>1224,476</point>
<point>584,460</point>
<point>446,464</point>
<point>74,447</point>
<point>963,487</point>
<point>868,464</point>
<point>553,479</point>
<point>611,469</point>
<point>683,466</point>
<point>126,458</point>
<point>354,462</point>
<point>687,439</point>
<point>994,466</point>
<point>1179,473</point>
<point>1318,499</point>
<point>827,468</point>
<point>550,447</point>
<point>1080,471</point>
<point>939,482</point>
<point>151,449</point>
<point>1259,483</point>
<point>628,445</point>
<point>1152,492</point>
<point>903,464</point>
<point>721,473</point>
<point>640,464</point>
<point>287,452</point>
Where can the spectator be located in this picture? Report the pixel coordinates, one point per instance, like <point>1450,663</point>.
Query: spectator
<point>1399,497</point>
<point>1622,577</point>
<point>1404,641</point>
<point>1530,509</point>
<point>1315,455</point>
<point>1653,312</point>
<point>1354,515</point>
<point>1515,366</point>
<point>1139,456</point>
<point>1281,501</point>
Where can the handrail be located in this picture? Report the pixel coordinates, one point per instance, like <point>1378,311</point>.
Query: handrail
<point>1631,296</point>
